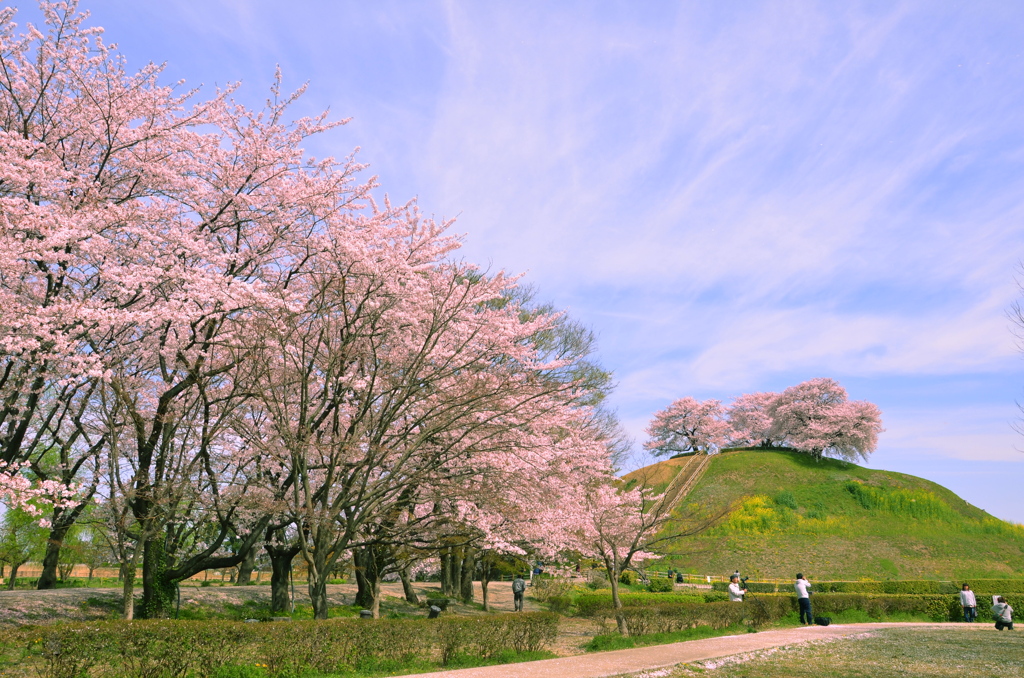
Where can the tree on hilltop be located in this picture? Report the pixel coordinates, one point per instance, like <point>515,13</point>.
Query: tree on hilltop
<point>688,425</point>
<point>817,417</point>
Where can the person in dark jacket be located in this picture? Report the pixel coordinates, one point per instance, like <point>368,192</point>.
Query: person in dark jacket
<point>518,592</point>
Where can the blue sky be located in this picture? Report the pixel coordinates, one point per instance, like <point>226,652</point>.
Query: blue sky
<point>735,196</point>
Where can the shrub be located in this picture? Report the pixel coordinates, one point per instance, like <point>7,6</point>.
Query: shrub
<point>546,589</point>
<point>786,498</point>
<point>589,604</point>
<point>660,585</point>
<point>203,649</point>
<point>628,577</point>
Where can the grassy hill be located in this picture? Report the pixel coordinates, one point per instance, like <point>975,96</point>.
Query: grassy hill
<point>834,520</point>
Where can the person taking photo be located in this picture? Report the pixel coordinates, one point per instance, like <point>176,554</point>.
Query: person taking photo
<point>1003,614</point>
<point>735,592</point>
<point>803,597</point>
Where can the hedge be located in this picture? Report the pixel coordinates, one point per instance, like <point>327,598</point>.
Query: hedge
<point>752,586</point>
<point>203,648</point>
<point>674,616</point>
<point>589,603</point>
<point>904,587</point>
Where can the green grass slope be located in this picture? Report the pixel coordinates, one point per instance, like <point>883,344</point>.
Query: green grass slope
<point>834,520</point>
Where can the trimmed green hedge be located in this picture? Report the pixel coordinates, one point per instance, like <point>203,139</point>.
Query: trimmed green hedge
<point>671,615</point>
<point>661,585</point>
<point>589,603</point>
<point>203,648</point>
<point>905,587</point>
<point>752,586</point>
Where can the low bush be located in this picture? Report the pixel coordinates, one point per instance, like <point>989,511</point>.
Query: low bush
<point>546,589</point>
<point>644,617</point>
<point>752,586</point>
<point>615,641</point>
<point>205,649</point>
<point>648,619</point>
<point>587,604</point>
<point>660,585</point>
<point>919,586</point>
<point>628,577</point>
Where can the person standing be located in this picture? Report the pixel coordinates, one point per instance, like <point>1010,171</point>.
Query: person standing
<point>518,591</point>
<point>969,604</point>
<point>1003,614</point>
<point>803,597</point>
<point>735,592</point>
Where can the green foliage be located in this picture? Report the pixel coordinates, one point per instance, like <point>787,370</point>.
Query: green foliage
<point>202,649</point>
<point>786,498</point>
<point>660,585</point>
<point>614,641</point>
<point>752,586</point>
<point>644,619</point>
<point>918,504</point>
<point>587,604</point>
<point>628,577</point>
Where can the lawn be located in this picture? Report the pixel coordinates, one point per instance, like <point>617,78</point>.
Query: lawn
<point>895,653</point>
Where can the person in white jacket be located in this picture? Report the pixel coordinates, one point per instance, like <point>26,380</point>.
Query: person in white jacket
<point>735,592</point>
<point>803,595</point>
<point>969,604</point>
<point>1003,614</point>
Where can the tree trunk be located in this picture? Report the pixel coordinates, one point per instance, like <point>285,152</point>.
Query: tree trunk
<point>468,570</point>
<point>485,577</point>
<point>364,587</point>
<point>318,595</point>
<point>245,568</point>
<point>613,579</point>
<point>14,576</point>
<point>446,571</point>
<point>127,571</point>
<point>375,590</point>
<point>51,560</point>
<point>410,592</point>
<point>280,565</point>
<point>368,576</point>
<point>157,589</point>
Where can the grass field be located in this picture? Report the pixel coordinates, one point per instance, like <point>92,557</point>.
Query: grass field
<point>834,520</point>
<point>888,653</point>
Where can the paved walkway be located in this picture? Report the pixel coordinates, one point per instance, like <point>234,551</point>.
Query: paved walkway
<point>638,659</point>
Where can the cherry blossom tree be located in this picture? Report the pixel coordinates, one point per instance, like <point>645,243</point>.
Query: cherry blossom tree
<point>817,417</point>
<point>749,421</point>
<point>688,425</point>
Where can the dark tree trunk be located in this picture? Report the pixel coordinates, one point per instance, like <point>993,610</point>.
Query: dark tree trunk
<point>468,570</point>
<point>485,579</point>
<point>318,596</point>
<point>157,588</point>
<point>280,565</point>
<point>14,576</point>
<point>246,567</point>
<point>446,570</point>
<point>51,560</point>
<point>410,592</point>
<point>367,576</point>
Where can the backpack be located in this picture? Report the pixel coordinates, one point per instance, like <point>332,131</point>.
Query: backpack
<point>822,621</point>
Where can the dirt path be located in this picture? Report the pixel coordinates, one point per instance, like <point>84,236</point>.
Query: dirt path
<point>620,662</point>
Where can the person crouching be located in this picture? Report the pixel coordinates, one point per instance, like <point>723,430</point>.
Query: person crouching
<point>1003,614</point>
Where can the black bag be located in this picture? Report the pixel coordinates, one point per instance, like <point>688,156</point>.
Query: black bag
<point>822,621</point>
